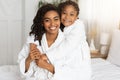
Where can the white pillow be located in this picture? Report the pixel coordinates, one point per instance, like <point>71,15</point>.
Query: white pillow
<point>114,52</point>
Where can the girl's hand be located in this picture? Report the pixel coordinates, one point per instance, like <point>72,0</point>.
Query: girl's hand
<point>44,64</point>
<point>41,63</point>
<point>44,57</point>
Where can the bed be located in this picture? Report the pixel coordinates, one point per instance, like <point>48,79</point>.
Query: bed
<point>9,72</point>
<point>104,70</point>
<point>101,68</point>
<point>108,69</point>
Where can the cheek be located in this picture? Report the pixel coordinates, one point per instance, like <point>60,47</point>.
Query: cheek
<point>62,16</point>
<point>58,23</point>
<point>46,25</point>
<point>75,17</point>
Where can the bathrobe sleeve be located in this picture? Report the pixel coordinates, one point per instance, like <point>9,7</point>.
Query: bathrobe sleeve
<point>64,73</point>
<point>22,57</point>
<point>69,43</point>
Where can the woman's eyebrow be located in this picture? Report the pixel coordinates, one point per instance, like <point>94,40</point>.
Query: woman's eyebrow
<point>46,18</point>
<point>56,17</point>
<point>49,18</point>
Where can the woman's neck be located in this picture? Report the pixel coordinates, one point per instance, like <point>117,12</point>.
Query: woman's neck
<point>51,39</point>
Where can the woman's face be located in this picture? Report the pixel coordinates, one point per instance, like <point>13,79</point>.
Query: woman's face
<point>51,22</point>
<point>68,15</point>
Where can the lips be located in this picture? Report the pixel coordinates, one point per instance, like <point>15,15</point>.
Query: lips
<point>52,28</point>
<point>67,21</point>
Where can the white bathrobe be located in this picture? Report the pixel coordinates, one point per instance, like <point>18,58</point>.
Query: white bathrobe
<point>74,52</point>
<point>70,56</point>
<point>35,72</point>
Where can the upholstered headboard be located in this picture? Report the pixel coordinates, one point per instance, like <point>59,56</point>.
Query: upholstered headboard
<point>114,52</point>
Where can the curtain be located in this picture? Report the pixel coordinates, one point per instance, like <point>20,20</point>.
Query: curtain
<point>99,16</point>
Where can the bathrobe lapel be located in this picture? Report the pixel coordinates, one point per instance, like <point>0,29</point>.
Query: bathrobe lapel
<point>44,44</point>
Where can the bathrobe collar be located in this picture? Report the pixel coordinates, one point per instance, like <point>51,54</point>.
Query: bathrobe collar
<point>44,44</point>
<point>69,28</point>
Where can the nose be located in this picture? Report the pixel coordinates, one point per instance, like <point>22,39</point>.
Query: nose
<point>52,23</point>
<point>66,16</point>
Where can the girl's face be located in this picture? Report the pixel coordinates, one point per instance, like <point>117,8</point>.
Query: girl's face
<point>68,16</point>
<point>51,22</point>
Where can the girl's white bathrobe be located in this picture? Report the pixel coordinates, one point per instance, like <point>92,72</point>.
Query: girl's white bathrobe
<point>75,53</point>
<point>35,72</point>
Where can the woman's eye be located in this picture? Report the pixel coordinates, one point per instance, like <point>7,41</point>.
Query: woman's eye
<point>56,19</point>
<point>46,20</point>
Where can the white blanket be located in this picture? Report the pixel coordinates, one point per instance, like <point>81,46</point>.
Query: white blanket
<point>104,70</point>
<point>9,72</point>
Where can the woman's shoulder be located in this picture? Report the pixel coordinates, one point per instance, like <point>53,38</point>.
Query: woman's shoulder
<point>30,38</point>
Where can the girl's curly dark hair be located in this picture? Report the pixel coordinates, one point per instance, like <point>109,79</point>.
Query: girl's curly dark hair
<point>62,5</point>
<point>37,29</point>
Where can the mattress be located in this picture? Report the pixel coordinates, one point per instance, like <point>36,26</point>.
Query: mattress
<point>9,72</point>
<point>104,70</point>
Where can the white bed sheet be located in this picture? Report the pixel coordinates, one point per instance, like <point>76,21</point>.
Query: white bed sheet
<point>9,72</point>
<point>104,70</point>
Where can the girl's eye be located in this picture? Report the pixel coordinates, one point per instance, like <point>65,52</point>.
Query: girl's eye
<point>71,14</point>
<point>63,12</point>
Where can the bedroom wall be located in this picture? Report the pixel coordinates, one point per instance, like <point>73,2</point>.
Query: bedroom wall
<point>11,30</point>
<point>15,21</point>
<point>30,9</point>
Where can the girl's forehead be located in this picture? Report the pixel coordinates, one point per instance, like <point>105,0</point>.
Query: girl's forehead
<point>69,7</point>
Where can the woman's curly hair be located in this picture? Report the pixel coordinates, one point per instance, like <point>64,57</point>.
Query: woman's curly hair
<point>37,29</point>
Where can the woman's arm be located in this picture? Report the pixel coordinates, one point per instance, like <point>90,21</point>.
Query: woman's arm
<point>22,60</point>
<point>27,64</point>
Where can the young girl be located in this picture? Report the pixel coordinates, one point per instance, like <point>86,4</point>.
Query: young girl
<point>45,34</point>
<point>73,50</point>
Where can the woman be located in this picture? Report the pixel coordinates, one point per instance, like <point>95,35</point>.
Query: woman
<point>45,35</point>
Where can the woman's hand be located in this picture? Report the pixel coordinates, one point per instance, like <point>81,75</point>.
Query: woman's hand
<point>34,52</point>
<point>33,55</point>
